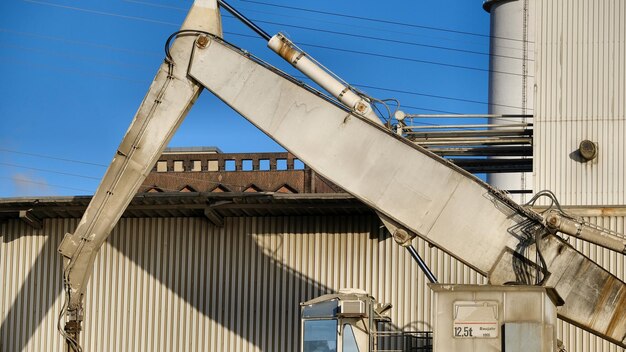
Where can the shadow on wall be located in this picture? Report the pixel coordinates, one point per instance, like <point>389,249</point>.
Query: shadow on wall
<point>233,275</point>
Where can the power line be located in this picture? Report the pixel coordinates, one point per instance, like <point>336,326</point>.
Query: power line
<point>433,96</point>
<point>386,40</point>
<point>383,21</point>
<point>251,36</point>
<point>90,74</point>
<point>386,29</point>
<point>77,42</point>
<point>431,110</point>
<point>123,78</point>
<point>317,20</point>
<point>167,174</point>
<point>51,157</point>
<point>73,57</point>
<point>99,178</point>
<point>280,24</point>
<point>411,60</point>
<point>310,45</point>
<point>50,171</point>
<point>401,58</point>
<point>445,97</point>
<point>134,18</point>
<point>43,183</point>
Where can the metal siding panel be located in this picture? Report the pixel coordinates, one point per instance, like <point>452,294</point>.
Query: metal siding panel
<point>182,284</point>
<point>580,95</point>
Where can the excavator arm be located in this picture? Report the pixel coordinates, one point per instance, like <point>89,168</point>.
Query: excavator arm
<point>413,190</point>
<point>171,95</point>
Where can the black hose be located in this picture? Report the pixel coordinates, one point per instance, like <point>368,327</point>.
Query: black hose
<point>245,20</point>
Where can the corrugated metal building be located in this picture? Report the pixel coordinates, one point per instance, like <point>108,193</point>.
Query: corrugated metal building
<point>168,279</point>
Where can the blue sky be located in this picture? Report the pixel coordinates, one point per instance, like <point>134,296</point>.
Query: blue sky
<point>74,72</point>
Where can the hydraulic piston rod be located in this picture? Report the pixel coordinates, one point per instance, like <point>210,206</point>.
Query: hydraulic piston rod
<point>286,49</point>
<point>572,227</point>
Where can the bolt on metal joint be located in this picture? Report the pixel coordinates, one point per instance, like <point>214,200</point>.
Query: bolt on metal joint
<point>202,41</point>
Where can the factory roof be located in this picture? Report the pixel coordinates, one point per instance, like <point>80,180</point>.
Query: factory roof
<point>214,206</point>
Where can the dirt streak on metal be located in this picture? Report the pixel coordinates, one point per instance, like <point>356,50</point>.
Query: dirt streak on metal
<point>617,325</point>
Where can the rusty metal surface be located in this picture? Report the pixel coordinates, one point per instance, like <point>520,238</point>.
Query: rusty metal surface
<point>593,298</point>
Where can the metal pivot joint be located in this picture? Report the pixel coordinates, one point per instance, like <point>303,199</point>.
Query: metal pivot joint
<point>202,41</point>
<point>404,238</point>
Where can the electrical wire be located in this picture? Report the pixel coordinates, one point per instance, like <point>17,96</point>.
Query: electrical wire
<point>90,74</point>
<point>50,171</point>
<point>79,58</point>
<point>251,36</point>
<point>345,50</point>
<point>440,29</point>
<point>166,174</point>
<point>261,21</point>
<point>43,183</point>
<point>332,23</point>
<point>467,51</point>
<point>104,13</point>
<point>408,59</point>
<point>389,40</point>
<point>432,95</point>
<point>207,181</point>
<point>52,157</point>
<point>328,48</point>
<point>79,42</point>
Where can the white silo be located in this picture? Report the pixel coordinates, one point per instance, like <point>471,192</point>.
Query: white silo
<point>510,76</point>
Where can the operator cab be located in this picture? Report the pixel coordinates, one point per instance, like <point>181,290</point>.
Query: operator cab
<point>352,321</point>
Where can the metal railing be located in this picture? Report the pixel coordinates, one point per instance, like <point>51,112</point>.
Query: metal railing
<point>403,341</point>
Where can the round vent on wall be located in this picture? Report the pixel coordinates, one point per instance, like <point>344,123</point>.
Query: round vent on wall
<point>588,150</point>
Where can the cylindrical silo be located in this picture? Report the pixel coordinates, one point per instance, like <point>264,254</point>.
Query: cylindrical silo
<point>511,76</point>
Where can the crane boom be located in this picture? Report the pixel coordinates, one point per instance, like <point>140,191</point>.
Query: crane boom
<point>416,189</point>
<point>171,95</point>
<point>411,188</point>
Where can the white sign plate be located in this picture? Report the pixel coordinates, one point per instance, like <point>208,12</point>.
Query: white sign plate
<point>475,319</point>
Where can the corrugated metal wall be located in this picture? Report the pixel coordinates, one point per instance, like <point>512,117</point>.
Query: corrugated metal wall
<point>581,94</point>
<point>180,284</point>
